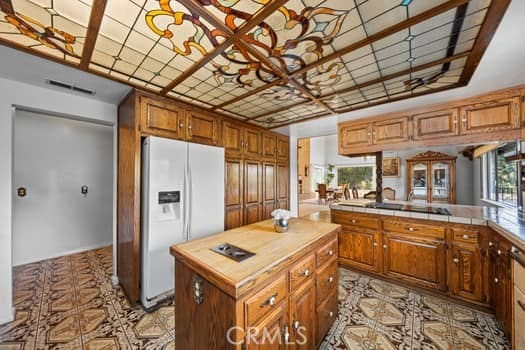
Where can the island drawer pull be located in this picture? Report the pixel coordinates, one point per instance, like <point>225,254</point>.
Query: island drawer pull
<point>521,304</point>
<point>296,325</point>
<point>353,221</point>
<point>270,301</point>
<point>455,260</point>
<point>466,236</point>
<point>330,252</point>
<point>331,314</point>
<point>411,229</point>
<point>286,335</point>
<point>306,273</point>
<point>330,279</point>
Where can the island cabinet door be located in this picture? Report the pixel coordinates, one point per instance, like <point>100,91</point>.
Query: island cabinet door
<point>302,318</point>
<point>466,272</point>
<point>417,260</point>
<point>271,333</point>
<point>360,248</point>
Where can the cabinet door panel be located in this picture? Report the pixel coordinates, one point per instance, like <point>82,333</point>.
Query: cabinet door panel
<point>269,147</point>
<point>283,180</point>
<point>359,249</point>
<point>252,143</point>
<point>162,119</point>
<point>436,124</point>
<point>252,191</point>
<point>354,135</point>
<point>283,148</point>
<point>233,193</point>
<point>390,131</point>
<point>502,114</point>
<point>232,138</point>
<point>326,315</point>
<point>233,217</point>
<point>202,128</point>
<point>268,334</point>
<point>415,260</point>
<point>269,190</point>
<point>466,272</point>
<point>302,317</point>
<point>519,318</point>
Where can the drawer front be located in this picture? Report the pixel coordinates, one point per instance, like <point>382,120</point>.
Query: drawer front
<point>326,253</point>
<point>327,281</point>
<point>326,315</point>
<point>265,300</point>
<point>357,220</point>
<point>466,235</point>
<point>519,319</point>
<point>518,272</point>
<point>301,272</point>
<point>414,227</point>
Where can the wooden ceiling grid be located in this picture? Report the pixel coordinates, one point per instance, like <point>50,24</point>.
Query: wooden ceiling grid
<point>306,69</point>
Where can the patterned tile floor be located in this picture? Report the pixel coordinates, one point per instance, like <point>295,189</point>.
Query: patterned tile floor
<point>69,303</point>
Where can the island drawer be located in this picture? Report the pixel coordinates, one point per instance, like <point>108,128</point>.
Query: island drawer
<point>326,313</point>
<point>465,235</point>
<point>302,271</point>
<point>356,220</point>
<point>327,281</point>
<point>327,252</point>
<point>265,300</point>
<point>414,227</point>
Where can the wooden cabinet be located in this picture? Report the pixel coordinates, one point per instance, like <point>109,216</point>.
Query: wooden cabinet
<point>390,131</point>
<point>202,128</point>
<point>326,315</point>
<point>418,260</point>
<point>435,124</point>
<point>271,332</point>
<point>283,148</point>
<point>495,115</point>
<point>360,249</point>
<point>431,177</point>
<point>162,119</point>
<point>252,191</point>
<point>233,201</point>
<point>269,146</point>
<point>241,142</point>
<point>518,273</point>
<point>354,135</point>
<point>303,318</point>
<point>269,189</point>
<point>501,282</point>
<point>283,186</point>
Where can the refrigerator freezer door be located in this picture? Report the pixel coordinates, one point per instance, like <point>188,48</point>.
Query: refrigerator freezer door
<point>206,180</point>
<point>163,168</point>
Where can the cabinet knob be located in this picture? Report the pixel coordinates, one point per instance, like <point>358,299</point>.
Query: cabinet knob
<point>466,236</point>
<point>286,335</point>
<point>189,126</point>
<point>455,260</point>
<point>375,244</point>
<point>330,252</point>
<point>296,325</point>
<point>353,221</point>
<point>306,273</point>
<point>491,244</point>
<point>270,301</point>
<point>499,251</point>
<point>384,246</point>
<point>411,229</point>
<point>331,314</point>
<point>330,279</point>
<point>496,280</point>
<point>181,125</point>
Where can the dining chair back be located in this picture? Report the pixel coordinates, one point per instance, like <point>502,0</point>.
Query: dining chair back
<point>389,193</point>
<point>355,194</point>
<point>321,189</point>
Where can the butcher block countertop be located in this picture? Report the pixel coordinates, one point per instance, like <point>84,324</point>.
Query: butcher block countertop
<point>273,252</point>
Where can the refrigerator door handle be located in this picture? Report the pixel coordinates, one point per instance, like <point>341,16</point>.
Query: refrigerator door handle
<point>190,191</point>
<point>185,198</point>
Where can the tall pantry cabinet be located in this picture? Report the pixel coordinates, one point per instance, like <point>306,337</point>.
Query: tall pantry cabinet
<point>257,174</point>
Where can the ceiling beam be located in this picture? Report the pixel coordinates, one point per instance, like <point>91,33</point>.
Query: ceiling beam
<point>230,40</point>
<point>95,20</point>
<point>447,6</point>
<point>397,74</point>
<point>492,20</point>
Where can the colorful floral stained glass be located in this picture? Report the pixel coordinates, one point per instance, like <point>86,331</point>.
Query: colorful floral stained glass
<point>268,62</point>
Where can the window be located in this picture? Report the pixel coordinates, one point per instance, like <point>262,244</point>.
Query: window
<point>362,177</point>
<point>499,175</point>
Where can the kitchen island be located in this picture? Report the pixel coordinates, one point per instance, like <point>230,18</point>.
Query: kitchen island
<point>285,293</point>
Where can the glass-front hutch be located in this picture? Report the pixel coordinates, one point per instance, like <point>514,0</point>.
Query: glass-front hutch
<point>432,177</point>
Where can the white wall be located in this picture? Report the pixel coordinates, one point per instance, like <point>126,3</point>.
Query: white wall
<point>317,150</point>
<point>31,97</point>
<point>53,158</point>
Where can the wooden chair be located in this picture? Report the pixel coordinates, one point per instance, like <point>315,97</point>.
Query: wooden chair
<point>346,192</point>
<point>370,195</point>
<point>355,194</point>
<point>389,193</point>
<point>321,189</point>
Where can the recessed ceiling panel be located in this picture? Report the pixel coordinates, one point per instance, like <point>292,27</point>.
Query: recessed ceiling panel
<point>299,112</point>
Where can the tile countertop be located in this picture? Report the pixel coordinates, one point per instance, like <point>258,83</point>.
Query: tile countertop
<point>506,221</point>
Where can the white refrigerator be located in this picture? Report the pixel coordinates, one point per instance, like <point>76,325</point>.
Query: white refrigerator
<point>182,199</point>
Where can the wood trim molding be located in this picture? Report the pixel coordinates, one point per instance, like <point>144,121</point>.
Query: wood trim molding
<point>95,20</point>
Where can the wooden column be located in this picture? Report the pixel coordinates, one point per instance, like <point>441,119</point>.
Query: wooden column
<point>379,177</point>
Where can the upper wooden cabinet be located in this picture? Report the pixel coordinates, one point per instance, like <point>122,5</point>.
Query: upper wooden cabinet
<point>202,128</point>
<point>283,148</point>
<point>390,131</point>
<point>496,115</point>
<point>435,124</point>
<point>240,141</point>
<point>269,146</point>
<point>163,119</point>
<point>493,117</point>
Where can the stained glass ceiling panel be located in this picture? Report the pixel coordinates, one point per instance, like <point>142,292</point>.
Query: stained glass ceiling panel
<point>170,49</point>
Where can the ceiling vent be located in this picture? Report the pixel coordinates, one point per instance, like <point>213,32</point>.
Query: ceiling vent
<point>70,87</point>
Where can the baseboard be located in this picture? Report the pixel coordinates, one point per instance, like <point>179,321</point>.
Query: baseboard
<point>69,252</point>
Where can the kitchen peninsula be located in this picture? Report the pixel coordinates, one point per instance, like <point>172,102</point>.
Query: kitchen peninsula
<point>285,293</point>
